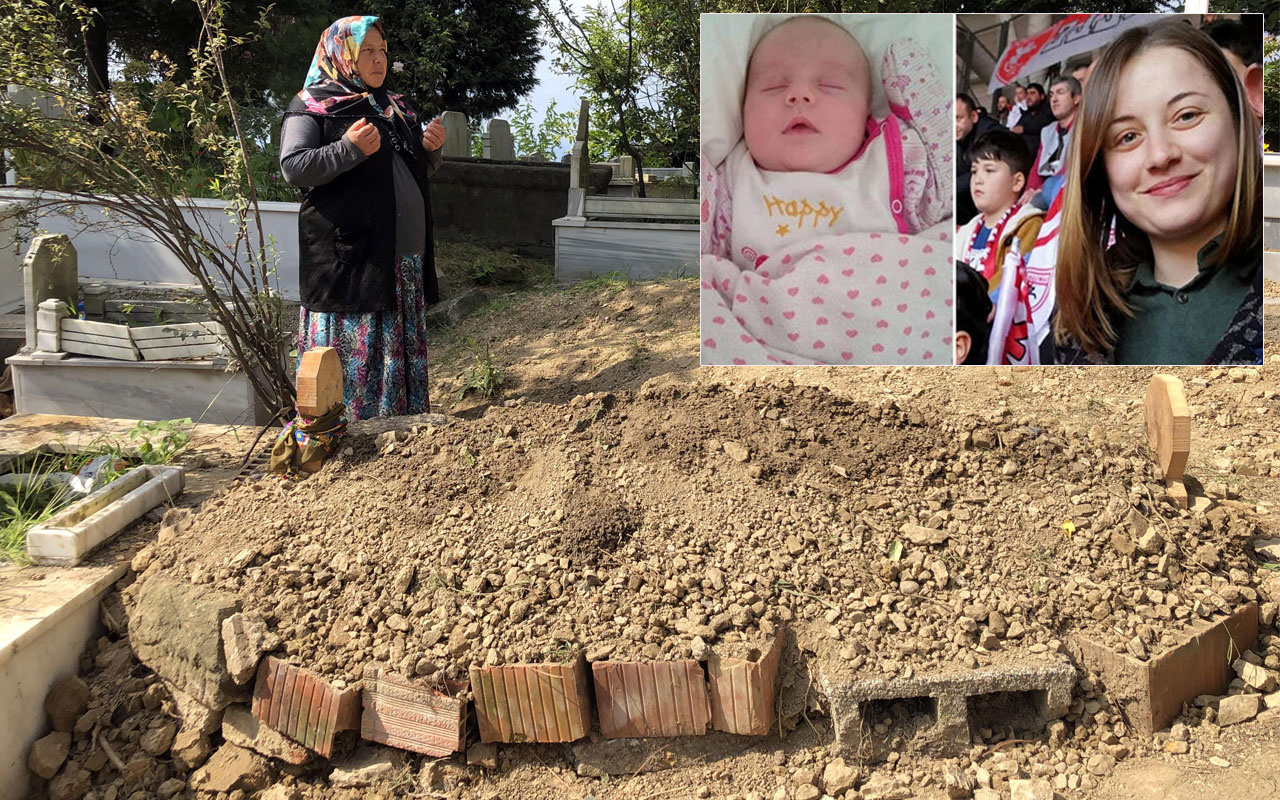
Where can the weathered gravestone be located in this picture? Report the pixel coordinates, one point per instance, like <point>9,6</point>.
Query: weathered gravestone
<point>580,167</point>
<point>498,142</point>
<point>50,272</point>
<point>457,136</point>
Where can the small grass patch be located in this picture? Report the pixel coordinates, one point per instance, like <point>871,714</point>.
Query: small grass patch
<point>467,262</point>
<point>484,377</point>
<point>49,486</point>
<point>638,353</point>
<point>613,280</point>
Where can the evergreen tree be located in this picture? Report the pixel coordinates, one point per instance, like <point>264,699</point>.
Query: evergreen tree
<point>463,55</point>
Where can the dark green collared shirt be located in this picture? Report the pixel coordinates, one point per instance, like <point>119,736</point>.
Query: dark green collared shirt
<point>1180,325</point>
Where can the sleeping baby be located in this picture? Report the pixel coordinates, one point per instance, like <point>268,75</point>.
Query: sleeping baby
<point>813,161</point>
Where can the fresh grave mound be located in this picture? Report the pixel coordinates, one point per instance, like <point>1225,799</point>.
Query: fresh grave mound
<point>681,518</point>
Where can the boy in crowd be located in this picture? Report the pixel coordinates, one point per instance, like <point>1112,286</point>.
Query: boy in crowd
<point>971,123</point>
<point>999,239</point>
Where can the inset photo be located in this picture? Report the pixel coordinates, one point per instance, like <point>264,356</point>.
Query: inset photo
<point>1109,189</point>
<point>826,174</point>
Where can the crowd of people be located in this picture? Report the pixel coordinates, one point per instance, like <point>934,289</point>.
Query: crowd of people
<point>1116,216</point>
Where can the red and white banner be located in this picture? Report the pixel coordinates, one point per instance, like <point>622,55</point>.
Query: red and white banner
<point>1078,33</point>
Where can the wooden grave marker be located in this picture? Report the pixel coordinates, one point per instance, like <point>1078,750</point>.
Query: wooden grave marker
<point>319,381</point>
<point>1169,431</point>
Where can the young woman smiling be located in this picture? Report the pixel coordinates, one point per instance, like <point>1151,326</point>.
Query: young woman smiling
<point>1160,249</point>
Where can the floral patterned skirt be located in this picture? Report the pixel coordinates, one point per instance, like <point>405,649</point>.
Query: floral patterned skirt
<point>384,353</point>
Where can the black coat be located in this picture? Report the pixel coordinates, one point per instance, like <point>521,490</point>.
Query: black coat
<point>1033,121</point>
<point>347,227</point>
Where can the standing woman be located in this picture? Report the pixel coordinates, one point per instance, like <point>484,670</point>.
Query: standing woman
<point>366,267</point>
<point>1170,170</point>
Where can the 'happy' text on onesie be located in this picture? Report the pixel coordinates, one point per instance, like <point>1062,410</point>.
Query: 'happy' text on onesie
<point>802,211</point>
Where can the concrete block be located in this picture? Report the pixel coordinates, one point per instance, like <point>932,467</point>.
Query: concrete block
<point>1151,693</point>
<point>176,631</point>
<point>532,702</point>
<point>638,250</point>
<point>365,767</point>
<point>1035,789</point>
<point>651,698</point>
<point>934,711</point>
<point>48,342</point>
<point>11,232</point>
<point>743,692</point>
<point>302,706</point>
<point>232,769</point>
<point>244,640</point>
<point>49,320</point>
<point>406,714</point>
<point>1255,676</point>
<point>68,536</point>
<point>134,389</point>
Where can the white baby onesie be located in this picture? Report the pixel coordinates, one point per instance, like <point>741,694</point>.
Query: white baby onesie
<point>779,210</point>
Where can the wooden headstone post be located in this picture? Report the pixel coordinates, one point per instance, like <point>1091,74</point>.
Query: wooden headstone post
<point>1169,431</point>
<point>319,387</point>
<point>319,381</point>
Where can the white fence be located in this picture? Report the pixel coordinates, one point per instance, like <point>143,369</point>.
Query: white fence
<point>118,252</point>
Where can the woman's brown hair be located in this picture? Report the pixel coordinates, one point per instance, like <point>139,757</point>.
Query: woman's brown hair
<point>1089,288</point>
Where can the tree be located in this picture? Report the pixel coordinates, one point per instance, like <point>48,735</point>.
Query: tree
<point>119,162</point>
<point>601,48</point>
<point>470,56</point>
<point>477,57</point>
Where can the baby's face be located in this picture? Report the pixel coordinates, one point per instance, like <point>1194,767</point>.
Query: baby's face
<point>808,97</point>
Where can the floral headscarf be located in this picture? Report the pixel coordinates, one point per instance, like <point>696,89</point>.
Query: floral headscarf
<point>333,83</point>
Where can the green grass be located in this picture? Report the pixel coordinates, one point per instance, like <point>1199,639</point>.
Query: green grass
<point>30,503</point>
<point>33,501</point>
<point>484,377</point>
<point>612,280</point>
<point>475,263</point>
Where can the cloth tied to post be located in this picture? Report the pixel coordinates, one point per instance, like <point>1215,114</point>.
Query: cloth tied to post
<point>305,444</point>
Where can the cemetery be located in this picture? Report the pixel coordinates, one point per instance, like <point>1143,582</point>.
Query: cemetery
<point>597,570</point>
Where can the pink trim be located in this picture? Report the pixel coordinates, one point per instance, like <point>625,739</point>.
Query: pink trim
<point>897,172</point>
<point>900,111</point>
<point>874,129</point>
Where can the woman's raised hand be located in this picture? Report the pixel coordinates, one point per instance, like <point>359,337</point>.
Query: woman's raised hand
<point>364,135</point>
<point>433,135</point>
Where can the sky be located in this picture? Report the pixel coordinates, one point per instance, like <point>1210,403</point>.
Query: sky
<point>552,86</point>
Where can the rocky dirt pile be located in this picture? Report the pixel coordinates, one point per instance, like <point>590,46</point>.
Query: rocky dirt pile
<point>662,523</point>
<point>120,732</point>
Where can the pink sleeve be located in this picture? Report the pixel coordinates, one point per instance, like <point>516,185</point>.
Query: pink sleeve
<point>917,97</point>
<point>716,211</point>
